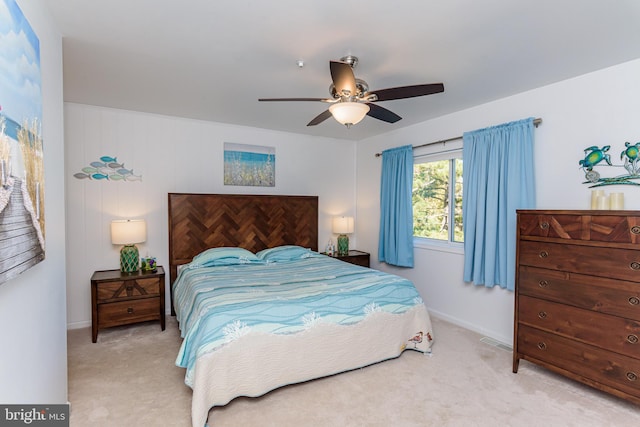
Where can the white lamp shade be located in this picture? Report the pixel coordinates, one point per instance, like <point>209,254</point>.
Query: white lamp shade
<point>343,225</point>
<point>128,231</point>
<point>349,113</point>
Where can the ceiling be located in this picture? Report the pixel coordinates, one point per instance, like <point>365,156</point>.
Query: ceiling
<point>212,59</point>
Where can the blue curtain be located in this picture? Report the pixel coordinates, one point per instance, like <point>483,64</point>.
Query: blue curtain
<point>498,178</point>
<point>396,207</point>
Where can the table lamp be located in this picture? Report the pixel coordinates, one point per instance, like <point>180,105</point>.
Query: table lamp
<point>128,232</point>
<point>342,226</point>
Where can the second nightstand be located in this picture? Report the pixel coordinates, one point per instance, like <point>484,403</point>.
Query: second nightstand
<point>119,298</point>
<point>355,257</point>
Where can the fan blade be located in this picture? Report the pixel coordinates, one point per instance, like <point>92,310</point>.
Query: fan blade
<point>381,113</point>
<point>408,91</point>
<point>320,118</point>
<point>296,99</point>
<point>343,78</point>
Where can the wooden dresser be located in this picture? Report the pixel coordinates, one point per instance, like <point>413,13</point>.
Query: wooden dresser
<point>123,298</point>
<point>577,307</point>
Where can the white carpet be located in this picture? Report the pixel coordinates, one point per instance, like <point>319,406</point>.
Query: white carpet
<point>129,378</point>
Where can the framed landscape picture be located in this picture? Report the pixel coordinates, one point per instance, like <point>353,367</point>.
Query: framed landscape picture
<point>249,165</point>
<point>21,145</point>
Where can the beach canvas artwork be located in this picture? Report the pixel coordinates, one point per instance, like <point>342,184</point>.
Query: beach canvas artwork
<point>249,165</point>
<point>21,146</point>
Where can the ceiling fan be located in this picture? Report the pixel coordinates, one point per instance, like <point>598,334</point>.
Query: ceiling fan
<point>351,99</point>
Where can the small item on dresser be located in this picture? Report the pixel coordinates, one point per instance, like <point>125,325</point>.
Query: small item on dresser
<point>602,203</point>
<point>616,201</point>
<point>149,264</point>
<point>329,250</point>
<point>594,198</point>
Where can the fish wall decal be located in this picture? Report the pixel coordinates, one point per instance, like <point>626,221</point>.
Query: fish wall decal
<point>107,168</point>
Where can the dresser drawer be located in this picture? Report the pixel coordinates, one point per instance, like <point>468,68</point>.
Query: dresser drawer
<point>597,228</point>
<point>601,330</point>
<point>617,297</point>
<point>584,361</point>
<point>124,289</point>
<point>125,312</point>
<point>614,263</point>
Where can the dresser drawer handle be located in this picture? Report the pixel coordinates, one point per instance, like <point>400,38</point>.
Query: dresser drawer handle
<point>543,283</point>
<point>633,339</point>
<point>544,254</point>
<point>634,301</point>
<point>544,225</point>
<point>130,310</point>
<point>635,229</point>
<point>631,376</point>
<point>543,346</point>
<point>542,315</point>
<point>635,265</point>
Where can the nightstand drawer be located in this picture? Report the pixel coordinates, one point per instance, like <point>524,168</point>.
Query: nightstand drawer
<point>120,289</point>
<point>125,312</point>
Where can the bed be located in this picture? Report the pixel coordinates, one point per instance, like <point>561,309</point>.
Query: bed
<point>259,308</point>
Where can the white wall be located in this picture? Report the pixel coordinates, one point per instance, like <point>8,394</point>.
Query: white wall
<point>33,344</point>
<point>177,155</point>
<point>599,108</point>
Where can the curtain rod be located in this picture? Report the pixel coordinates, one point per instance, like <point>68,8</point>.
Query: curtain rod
<point>536,123</point>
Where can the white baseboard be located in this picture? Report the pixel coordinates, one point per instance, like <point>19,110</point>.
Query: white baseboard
<point>508,341</point>
<point>79,325</point>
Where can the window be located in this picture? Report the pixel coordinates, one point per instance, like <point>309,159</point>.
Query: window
<point>437,197</point>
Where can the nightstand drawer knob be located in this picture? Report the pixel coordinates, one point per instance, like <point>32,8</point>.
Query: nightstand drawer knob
<point>635,265</point>
<point>542,315</point>
<point>543,254</point>
<point>544,225</point>
<point>543,283</point>
<point>633,339</point>
<point>635,229</point>
<point>631,376</point>
<point>542,346</point>
<point>130,310</point>
<point>634,301</point>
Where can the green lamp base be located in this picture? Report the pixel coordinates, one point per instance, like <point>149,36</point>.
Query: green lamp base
<point>129,259</point>
<point>343,245</point>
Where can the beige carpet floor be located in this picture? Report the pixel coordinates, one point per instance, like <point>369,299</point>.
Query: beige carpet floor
<point>128,378</point>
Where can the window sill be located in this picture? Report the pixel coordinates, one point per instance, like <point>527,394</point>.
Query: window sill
<point>434,245</point>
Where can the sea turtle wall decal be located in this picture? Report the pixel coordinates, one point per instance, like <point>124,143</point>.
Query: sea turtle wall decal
<point>595,156</point>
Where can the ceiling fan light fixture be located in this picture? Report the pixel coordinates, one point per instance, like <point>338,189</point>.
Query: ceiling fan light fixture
<point>349,113</point>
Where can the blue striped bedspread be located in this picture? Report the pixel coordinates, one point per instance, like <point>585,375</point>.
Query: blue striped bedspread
<point>216,305</point>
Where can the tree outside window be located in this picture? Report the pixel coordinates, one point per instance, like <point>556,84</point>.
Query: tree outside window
<point>437,198</point>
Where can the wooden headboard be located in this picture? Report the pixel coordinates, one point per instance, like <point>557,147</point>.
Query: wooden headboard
<point>201,221</point>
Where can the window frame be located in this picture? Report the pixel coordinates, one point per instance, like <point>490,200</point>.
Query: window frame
<point>450,154</point>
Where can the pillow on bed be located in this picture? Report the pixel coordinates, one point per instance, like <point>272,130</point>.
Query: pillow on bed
<point>223,256</point>
<point>285,253</point>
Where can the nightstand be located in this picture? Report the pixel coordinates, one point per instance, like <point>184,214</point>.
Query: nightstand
<point>355,257</point>
<point>122,298</point>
